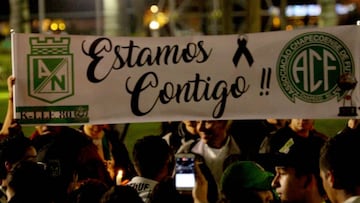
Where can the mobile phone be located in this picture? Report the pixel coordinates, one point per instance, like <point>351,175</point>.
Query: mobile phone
<point>185,171</point>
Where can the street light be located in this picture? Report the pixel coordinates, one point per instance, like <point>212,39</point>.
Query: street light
<point>155,19</point>
<point>154,25</point>
<point>154,9</point>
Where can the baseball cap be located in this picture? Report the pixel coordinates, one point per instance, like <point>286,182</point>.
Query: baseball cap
<point>300,154</point>
<point>245,175</point>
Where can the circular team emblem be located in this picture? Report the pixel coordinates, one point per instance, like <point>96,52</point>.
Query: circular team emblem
<point>309,67</point>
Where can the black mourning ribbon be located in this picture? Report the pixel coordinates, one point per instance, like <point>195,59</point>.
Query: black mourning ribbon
<point>242,49</point>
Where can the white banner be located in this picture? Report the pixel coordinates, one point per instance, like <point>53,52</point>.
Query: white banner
<point>307,73</point>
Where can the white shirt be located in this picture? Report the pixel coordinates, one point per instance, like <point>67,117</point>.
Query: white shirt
<point>214,158</point>
<point>143,186</point>
<point>353,199</point>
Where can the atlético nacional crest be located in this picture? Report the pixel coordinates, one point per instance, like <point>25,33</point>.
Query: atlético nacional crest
<point>50,69</point>
<point>310,65</point>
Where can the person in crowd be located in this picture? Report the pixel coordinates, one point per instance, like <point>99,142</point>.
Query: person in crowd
<point>351,125</point>
<point>251,133</point>
<point>44,129</point>
<point>44,135</point>
<point>71,158</point>
<point>89,165</point>
<point>67,153</point>
<point>118,130</point>
<point>216,148</point>
<point>297,176</point>
<point>88,191</point>
<point>185,131</point>
<point>297,130</point>
<point>121,193</point>
<point>27,182</point>
<point>339,169</point>
<point>111,150</point>
<point>169,127</point>
<point>166,191</point>
<point>153,161</point>
<point>13,148</point>
<point>247,181</point>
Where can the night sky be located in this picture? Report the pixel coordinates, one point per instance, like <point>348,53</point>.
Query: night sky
<point>53,6</point>
<point>88,5</point>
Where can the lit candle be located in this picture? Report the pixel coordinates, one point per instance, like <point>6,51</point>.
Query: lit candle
<point>119,177</point>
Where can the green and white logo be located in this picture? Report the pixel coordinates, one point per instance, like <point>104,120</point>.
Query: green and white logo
<point>50,69</point>
<point>309,67</point>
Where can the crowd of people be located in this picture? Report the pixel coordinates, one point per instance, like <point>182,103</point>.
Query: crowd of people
<point>258,161</point>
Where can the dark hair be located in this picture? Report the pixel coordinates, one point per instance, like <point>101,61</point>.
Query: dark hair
<point>151,153</point>
<point>335,155</point>
<point>60,152</point>
<point>121,193</point>
<point>242,195</point>
<point>165,191</point>
<point>169,127</point>
<point>89,165</point>
<point>29,181</point>
<point>12,150</point>
<point>89,191</point>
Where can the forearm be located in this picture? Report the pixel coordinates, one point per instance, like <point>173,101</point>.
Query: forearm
<point>199,201</point>
<point>8,119</point>
<point>10,109</point>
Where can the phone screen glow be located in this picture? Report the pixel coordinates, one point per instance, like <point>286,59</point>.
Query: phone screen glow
<point>184,177</point>
<point>186,180</point>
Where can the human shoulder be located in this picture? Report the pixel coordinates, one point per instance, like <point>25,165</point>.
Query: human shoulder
<point>187,146</point>
<point>319,135</point>
<point>143,186</point>
<point>139,179</point>
<point>353,199</point>
<point>280,137</point>
<point>3,198</point>
<point>166,137</point>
